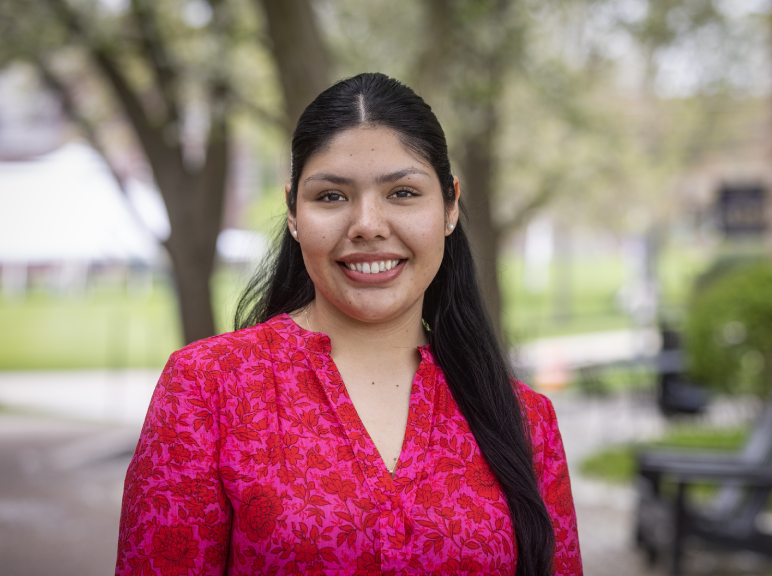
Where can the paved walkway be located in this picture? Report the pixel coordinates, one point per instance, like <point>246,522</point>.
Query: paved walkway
<point>61,476</point>
<point>586,349</point>
<point>60,492</point>
<point>108,396</point>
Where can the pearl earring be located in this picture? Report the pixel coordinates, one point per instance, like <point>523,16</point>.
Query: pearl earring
<point>295,233</point>
<point>452,226</point>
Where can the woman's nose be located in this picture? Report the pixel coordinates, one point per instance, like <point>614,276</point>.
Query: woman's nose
<point>368,219</point>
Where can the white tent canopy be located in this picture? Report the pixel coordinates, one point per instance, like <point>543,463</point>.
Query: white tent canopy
<point>67,207</point>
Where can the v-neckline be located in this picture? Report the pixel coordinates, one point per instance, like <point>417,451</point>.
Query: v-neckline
<point>359,425</point>
<point>410,461</point>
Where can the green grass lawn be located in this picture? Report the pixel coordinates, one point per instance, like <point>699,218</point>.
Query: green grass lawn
<point>587,304</point>
<point>111,328</point>
<point>108,329</point>
<point>616,464</point>
<point>582,298</point>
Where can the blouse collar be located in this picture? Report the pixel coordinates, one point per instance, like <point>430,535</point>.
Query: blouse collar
<point>316,342</point>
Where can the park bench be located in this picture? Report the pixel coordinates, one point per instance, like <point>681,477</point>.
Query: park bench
<point>667,518</point>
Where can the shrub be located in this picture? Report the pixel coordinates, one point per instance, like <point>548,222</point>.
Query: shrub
<point>729,331</point>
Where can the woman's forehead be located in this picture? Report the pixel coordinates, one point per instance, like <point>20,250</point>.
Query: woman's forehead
<point>366,153</point>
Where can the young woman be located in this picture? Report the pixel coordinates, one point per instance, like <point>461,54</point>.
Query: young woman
<point>364,419</point>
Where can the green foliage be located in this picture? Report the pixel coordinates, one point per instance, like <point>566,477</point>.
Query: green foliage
<point>729,331</point>
<point>723,265</point>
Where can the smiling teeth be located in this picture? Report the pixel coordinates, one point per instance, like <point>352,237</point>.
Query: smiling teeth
<point>372,267</point>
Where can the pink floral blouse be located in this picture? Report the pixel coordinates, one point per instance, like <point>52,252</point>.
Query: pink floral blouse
<point>252,460</point>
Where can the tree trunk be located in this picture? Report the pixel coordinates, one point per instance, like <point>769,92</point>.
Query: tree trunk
<point>301,56</point>
<point>194,196</point>
<point>432,65</point>
<point>476,163</point>
<point>194,296</point>
<point>194,201</point>
<point>450,46</point>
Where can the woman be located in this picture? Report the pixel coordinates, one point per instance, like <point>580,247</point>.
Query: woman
<point>256,458</point>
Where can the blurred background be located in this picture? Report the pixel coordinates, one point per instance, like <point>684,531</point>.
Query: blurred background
<point>615,159</point>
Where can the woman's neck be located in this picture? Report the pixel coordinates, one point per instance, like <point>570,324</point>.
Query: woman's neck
<point>350,336</point>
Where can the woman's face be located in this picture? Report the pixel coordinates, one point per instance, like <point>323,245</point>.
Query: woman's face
<point>371,223</point>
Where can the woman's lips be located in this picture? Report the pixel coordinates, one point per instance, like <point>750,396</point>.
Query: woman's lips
<point>391,269</point>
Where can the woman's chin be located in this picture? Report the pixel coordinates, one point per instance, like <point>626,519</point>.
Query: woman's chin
<point>374,312</point>
<point>370,316</point>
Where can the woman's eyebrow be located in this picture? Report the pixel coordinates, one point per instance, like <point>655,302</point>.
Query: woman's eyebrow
<point>382,179</point>
<point>394,176</point>
<point>334,178</point>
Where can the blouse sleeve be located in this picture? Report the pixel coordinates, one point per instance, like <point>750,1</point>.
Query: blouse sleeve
<point>555,487</point>
<point>175,516</point>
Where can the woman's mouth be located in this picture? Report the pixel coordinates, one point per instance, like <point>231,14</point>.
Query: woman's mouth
<point>372,267</point>
<point>372,272</point>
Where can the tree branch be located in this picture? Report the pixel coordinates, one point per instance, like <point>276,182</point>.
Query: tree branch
<point>158,56</point>
<point>259,112</point>
<point>430,68</point>
<point>219,103</point>
<point>547,191</point>
<point>149,135</point>
<point>301,55</point>
<point>86,127</point>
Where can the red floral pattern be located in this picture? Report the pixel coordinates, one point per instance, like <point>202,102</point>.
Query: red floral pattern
<point>174,550</point>
<point>252,460</point>
<point>260,507</point>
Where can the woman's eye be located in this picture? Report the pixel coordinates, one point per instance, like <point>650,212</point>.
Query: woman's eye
<point>402,193</point>
<point>331,197</point>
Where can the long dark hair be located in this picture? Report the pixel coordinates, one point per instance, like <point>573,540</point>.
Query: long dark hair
<point>462,337</point>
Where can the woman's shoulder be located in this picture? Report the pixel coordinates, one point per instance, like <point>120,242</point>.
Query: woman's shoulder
<point>228,350</point>
<point>536,406</point>
<point>543,427</point>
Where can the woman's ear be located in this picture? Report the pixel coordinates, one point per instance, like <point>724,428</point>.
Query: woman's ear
<point>453,212</point>
<point>292,222</point>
